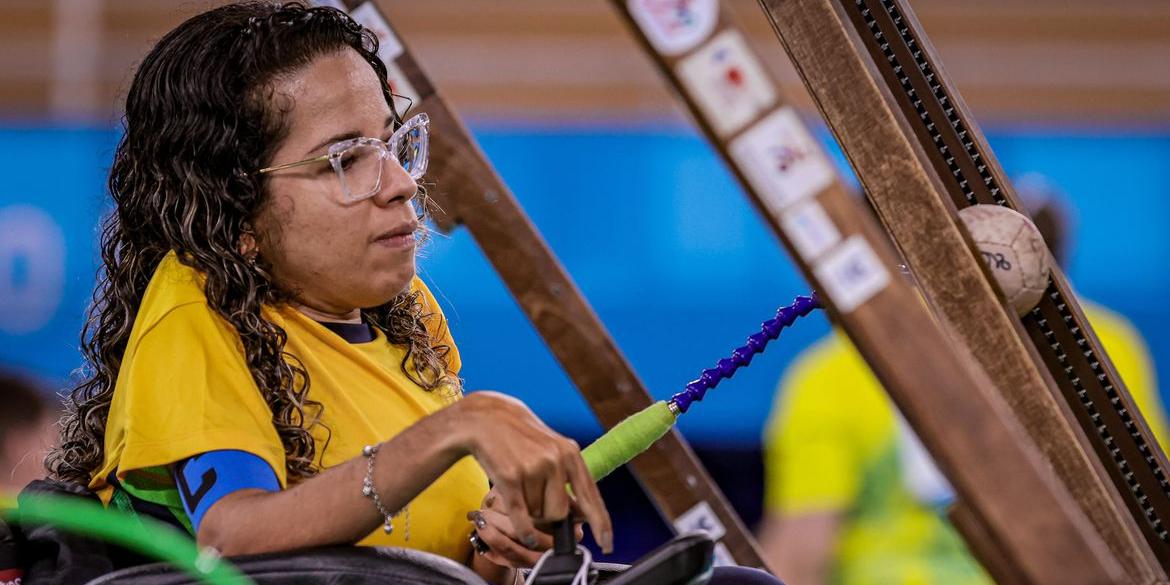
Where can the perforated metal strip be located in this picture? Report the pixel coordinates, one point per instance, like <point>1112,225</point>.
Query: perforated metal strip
<point>953,141</point>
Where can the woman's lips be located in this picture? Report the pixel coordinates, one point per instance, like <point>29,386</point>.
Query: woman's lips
<point>399,237</point>
<point>396,241</point>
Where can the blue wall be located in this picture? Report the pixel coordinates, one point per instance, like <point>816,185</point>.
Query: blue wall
<point>650,225</point>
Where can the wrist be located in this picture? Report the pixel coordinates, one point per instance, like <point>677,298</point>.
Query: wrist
<point>456,427</point>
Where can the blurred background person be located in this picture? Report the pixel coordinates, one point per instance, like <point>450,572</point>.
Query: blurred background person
<point>851,495</point>
<point>27,432</point>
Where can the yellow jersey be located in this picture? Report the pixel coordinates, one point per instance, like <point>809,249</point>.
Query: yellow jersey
<point>184,389</point>
<point>835,444</point>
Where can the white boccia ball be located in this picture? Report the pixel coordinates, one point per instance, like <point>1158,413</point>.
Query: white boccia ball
<point>1014,251</point>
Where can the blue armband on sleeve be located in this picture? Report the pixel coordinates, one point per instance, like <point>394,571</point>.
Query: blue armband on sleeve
<point>205,479</point>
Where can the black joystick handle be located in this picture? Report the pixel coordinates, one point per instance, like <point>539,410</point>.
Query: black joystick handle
<point>564,563</point>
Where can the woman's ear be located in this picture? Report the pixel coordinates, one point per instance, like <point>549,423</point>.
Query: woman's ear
<point>246,244</point>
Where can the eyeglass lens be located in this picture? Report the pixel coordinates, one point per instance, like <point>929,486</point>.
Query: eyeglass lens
<point>360,165</point>
<point>411,152</point>
<point>361,170</point>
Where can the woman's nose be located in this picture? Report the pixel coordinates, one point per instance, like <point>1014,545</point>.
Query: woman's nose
<point>397,184</point>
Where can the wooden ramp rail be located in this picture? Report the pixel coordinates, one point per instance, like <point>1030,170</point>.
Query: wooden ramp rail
<point>742,112</point>
<point>469,193</point>
<point>920,155</point>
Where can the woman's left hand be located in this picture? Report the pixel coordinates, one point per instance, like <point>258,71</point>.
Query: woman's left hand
<point>504,548</point>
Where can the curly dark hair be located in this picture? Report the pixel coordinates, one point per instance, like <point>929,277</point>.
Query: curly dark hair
<point>201,113</point>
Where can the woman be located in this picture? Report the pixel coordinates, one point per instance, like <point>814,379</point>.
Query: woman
<point>265,366</point>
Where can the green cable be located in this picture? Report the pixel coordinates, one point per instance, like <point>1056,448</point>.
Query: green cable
<point>145,536</point>
<point>154,539</point>
<point>628,439</point>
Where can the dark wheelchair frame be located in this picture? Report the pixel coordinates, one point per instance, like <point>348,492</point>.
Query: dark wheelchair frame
<point>51,556</point>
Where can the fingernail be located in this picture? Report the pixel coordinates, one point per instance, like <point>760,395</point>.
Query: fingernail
<point>530,541</point>
<point>607,542</point>
<point>477,519</point>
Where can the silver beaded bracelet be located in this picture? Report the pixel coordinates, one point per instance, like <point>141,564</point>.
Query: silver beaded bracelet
<point>369,491</point>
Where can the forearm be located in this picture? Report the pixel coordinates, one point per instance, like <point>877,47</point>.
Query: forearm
<point>799,549</point>
<point>330,509</point>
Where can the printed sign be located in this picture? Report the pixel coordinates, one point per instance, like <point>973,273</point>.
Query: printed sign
<point>723,556</point>
<point>781,160</point>
<point>810,229</point>
<point>338,4</point>
<point>675,26</point>
<point>400,85</point>
<point>700,518</point>
<point>852,274</point>
<point>389,47</point>
<point>727,82</point>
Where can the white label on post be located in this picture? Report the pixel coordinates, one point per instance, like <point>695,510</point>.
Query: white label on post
<point>338,4</point>
<point>809,228</point>
<point>782,160</point>
<point>389,47</point>
<point>700,518</point>
<point>727,82</point>
<point>723,556</point>
<point>400,85</point>
<point>852,274</point>
<point>675,26</point>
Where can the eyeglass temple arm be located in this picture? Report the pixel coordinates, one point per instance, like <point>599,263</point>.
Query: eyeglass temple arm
<point>299,163</point>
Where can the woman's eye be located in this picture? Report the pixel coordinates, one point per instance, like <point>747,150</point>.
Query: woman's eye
<point>347,160</point>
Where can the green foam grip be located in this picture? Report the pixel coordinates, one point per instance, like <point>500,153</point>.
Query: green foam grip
<point>628,439</point>
<point>147,536</point>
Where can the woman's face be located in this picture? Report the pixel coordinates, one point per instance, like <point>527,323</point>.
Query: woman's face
<point>336,256</point>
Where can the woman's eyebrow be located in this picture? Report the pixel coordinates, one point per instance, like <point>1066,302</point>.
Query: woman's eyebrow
<point>346,136</point>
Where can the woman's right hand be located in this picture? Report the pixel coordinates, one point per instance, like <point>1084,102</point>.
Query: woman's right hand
<point>530,465</point>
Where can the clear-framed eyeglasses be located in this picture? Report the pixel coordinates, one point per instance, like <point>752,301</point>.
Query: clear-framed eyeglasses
<point>358,162</point>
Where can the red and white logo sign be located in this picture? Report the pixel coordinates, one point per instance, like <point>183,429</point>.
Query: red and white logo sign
<point>400,85</point>
<point>389,47</point>
<point>11,576</point>
<point>727,82</point>
<point>675,26</point>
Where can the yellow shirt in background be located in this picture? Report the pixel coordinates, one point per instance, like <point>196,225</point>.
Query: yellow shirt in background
<point>185,389</point>
<point>835,444</point>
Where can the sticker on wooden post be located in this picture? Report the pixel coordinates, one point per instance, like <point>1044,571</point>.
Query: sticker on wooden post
<point>338,4</point>
<point>400,85</point>
<point>723,556</point>
<point>726,80</point>
<point>700,518</point>
<point>851,274</point>
<point>675,26</point>
<point>809,228</point>
<point>389,47</point>
<point>782,161</point>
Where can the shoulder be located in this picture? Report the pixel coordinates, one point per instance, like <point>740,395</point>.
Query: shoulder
<point>832,359</point>
<point>830,381</point>
<point>432,313</point>
<point>173,285</point>
<point>437,325</point>
<point>1114,330</point>
<point>425,296</point>
<point>175,319</point>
